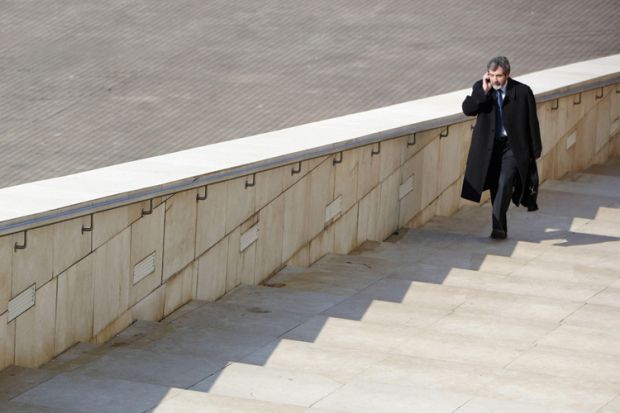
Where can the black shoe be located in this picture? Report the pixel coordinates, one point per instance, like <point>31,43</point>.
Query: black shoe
<point>498,234</point>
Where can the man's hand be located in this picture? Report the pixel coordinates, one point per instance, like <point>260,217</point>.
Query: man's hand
<point>486,82</point>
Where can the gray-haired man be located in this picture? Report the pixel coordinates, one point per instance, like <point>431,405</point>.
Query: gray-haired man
<point>505,141</point>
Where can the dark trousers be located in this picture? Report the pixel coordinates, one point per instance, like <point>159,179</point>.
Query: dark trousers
<point>501,175</point>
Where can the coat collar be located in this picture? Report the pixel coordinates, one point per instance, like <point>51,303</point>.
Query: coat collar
<point>511,90</point>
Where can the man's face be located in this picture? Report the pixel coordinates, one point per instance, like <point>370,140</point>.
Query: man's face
<point>498,77</point>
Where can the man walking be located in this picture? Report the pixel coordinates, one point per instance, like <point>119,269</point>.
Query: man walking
<point>505,141</point>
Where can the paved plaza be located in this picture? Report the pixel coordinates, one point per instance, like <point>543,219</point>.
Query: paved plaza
<point>89,84</point>
<point>440,319</point>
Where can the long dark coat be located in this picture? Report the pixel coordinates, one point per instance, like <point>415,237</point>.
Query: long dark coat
<point>521,124</point>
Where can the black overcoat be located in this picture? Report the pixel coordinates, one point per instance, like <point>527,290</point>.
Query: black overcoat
<point>521,124</point>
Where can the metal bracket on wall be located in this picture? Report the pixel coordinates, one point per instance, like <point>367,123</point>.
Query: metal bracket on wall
<point>411,142</point>
<point>22,246</point>
<point>296,170</point>
<point>378,151</point>
<point>249,184</point>
<point>150,210</point>
<point>556,104</point>
<point>337,158</point>
<point>577,101</point>
<point>202,197</point>
<point>597,96</point>
<point>88,229</point>
<point>445,133</point>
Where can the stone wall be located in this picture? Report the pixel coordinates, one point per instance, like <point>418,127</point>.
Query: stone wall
<point>93,276</point>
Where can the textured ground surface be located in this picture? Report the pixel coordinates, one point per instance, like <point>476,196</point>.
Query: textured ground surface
<point>85,84</point>
<point>440,319</point>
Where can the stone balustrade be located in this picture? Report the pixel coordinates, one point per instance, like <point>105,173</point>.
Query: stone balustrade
<point>83,256</point>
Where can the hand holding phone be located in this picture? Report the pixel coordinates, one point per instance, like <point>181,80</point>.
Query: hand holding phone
<point>486,82</point>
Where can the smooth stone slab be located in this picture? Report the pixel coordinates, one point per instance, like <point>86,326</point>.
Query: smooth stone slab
<point>17,380</point>
<point>14,407</point>
<point>595,316</point>
<point>276,299</point>
<point>584,339</point>
<point>214,344</point>
<point>372,397</point>
<point>241,318</point>
<point>171,370</point>
<point>461,348</point>
<point>483,405</point>
<point>430,374</point>
<point>80,393</point>
<point>369,310</point>
<point>188,401</point>
<point>268,384</point>
<point>609,296</point>
<point>569,363</point>
<point>346,334</point>
<point>340,365</point>
<point>553,392</point>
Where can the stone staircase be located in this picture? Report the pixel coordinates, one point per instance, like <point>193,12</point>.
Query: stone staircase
<point>437,319</point>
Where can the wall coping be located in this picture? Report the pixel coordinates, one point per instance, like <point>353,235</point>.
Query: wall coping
<point>52,200</point>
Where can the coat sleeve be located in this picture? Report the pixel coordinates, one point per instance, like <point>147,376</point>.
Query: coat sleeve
<point>535,142</point>
<point>474,102</point>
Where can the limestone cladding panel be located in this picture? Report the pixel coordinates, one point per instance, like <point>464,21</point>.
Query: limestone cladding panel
<point>369,169</point>
<point>151,307</point>
<point>6,264</point>
<point>564,158</point>
<point>233,276</point>
<point>112,275</point>
<point>345,232</point>
<point>450,155</point>
<point>314,162</point>
<point>290,176</point>
<point>179,289</point>
<point>269,185</point>
<point>389,205</point>
<point>450,199</point>
<point>212,272</point>
<point>574,111</point>
<point>211,217</point>
<point>241,263</point>
<point>422,139</point>
<point>411,204</point>
<point>561,117</point>
<point>147,237</point>
<point>295,217</point>
<point>603,123</point>
<point>368,224</point>
<point>74,306</point>
<point>614,107</point>
<point>34,263</point>
<point>270,238</point>
<point>322,244</point>
<point>345,178</point>
<point>179,233</point>
<point>545,166</point>
<point>7,341</point>
<point>425,215</point>
<point>34,330</point>
<point>391,157</point>
<point>321,194</point>
<point>429,179</point>
<point>107,224</point>
<point>240,203</point>
<point>584,147</point>
<point>71,244</point>
<point>548,125</point>
<point>301,257</point>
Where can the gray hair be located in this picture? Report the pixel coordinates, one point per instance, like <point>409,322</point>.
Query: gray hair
<point>501,61</point>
